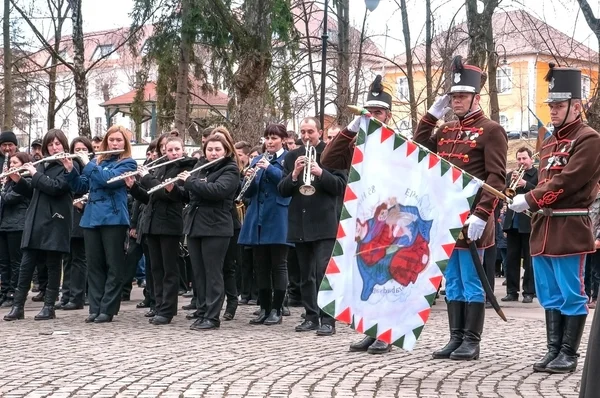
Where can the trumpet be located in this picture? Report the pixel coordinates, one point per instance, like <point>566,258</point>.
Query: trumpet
<point>248,180</point>
<point>174,179</point>
<point>311,156</point>
<point>511,191</point>
<point>138,171</point>
<point>83,199</point>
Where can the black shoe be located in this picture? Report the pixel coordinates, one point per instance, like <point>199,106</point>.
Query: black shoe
<point>257,312</point>
<point>554,335</point>
<point>252,302</point>
<point>141,283</point>
<point>275,317</point>
<point>204,324</point>
<point>16,312</point>
<point>38,297</point>
<point>160,320</point>
<point>103,318</point>
<point>285,311</point>
<point>194,315</point>
<point>504,283</point>
<point>260,318</point>
<point>60,305</point>
<point>188,294</point>
<point>230,310</point>
<point>456,322</point>
<point>510,297</point>
<point>363,345</point>
<point>228,316</point>
<point>150,313</point>
<point>307,326</point>
<point>72,306</point>
<point>35,288</point>
<point>326,330</point>
<point>190,306</point>
<point>181,292</point>
<point>474,318</point>
<point>8,303</point>
<point>527,299</point>
<point>91,318</point>
<point>143,304</point>
<point>46,313</point>
<point>379,347</point>
<point>566,361</point>
<point>243,301</point>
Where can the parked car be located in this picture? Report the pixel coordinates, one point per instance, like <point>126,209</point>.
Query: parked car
<point>515,135</point>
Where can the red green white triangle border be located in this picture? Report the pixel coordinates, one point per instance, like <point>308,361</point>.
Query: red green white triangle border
<point>417,307</point>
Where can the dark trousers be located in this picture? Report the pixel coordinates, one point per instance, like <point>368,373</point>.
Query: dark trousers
<point>249,286</point>
<point>132,258</point>
<point>294,291</point>
<point>517,245</point>
<point>105,254</point>
<point>52,261</point>
<point>74,273</point>
<point>229,274</point>
<point>182,264</point>
<point>42,275</point>
<point>164,250</point>
<point>313,258</point>
<point>592,274</point>
<point>149,289</point>
<point>489,263</point>
<point>10,261</point>
<point>207,254</point>
<point>271,275</point>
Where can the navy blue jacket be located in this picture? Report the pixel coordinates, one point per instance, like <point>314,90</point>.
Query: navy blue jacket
<point>268,209</point>
<point>107,203</point>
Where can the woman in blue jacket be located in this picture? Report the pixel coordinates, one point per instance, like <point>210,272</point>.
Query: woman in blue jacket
<point>266,224</point>
<point>105,221</point>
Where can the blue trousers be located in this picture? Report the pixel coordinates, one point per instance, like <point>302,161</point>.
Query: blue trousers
<point>462,281</point>
<point>559,283</point>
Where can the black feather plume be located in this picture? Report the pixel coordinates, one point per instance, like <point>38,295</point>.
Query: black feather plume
<point>548,76</point>
<point>457,64</point>
<point>377,87</point>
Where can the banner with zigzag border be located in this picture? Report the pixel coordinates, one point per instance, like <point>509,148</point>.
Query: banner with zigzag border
<point>403,210</point>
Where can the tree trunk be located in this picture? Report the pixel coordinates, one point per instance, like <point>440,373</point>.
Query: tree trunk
<point>428,46</point>
<point>343,66</point>
<point>492,67</point>
<point>7,122</point>
<point>409,67</point>
<point>309,50</point>
<point>477,25</point>
<point>593,112</point>
<point>79,72</point>
<point>52,72</point>
<point>181,97</point>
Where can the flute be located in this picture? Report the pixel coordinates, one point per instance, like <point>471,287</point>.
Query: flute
<point>134,173</point>
<point>173,179</point>
<point>156,160</point>
<point>83,199</point>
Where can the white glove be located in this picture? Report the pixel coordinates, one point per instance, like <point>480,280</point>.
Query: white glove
<point>440,107</point>
<point>354,125</point>
<point>85,158</point>
<point>476,227</point>
<point>519,204</point>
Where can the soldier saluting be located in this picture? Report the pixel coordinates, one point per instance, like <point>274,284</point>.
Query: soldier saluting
<point>562,235</point>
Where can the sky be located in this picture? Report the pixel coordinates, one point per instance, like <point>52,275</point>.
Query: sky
<point>562,14</point>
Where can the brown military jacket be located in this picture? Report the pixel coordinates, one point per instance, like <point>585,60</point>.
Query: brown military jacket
<point>568,179</point>
<point>337,155</point>
<point>477,145</point>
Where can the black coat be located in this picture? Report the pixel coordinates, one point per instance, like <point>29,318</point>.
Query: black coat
<point>163,210</point>
<point>76,230</point>
<point>315,217</point>
<point>49,216</point>
<point>211,192</point>
<point>13,208</point>
<point>524,222</point>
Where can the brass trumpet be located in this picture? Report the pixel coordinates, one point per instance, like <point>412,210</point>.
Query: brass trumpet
<point>511,191</point>
<point>311,156</point>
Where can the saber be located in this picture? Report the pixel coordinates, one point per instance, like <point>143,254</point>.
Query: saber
<point>173,179</point>
<point>484,280</point>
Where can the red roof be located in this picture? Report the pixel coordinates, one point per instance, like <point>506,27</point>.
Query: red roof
<point>196,97</point>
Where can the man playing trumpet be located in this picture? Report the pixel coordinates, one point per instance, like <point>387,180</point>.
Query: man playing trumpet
<point>517,227</point>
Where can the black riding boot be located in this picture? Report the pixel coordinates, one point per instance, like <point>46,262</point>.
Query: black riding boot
<point>566,361</point>
<point>17,311</point>
<point>456,322</point>
<point>47,311</point>
<point>469,349</point>
<point>554,334</point>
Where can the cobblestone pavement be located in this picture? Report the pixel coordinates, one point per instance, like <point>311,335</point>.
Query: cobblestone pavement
<point>129,357</point>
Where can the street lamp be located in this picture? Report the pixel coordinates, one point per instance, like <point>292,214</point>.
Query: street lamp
<point>504,61</point>
<point>371,4</point>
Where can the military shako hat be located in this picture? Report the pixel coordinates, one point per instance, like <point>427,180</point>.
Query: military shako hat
<point>380,95</point>
<point>465,78</point>
<point>563,84</point>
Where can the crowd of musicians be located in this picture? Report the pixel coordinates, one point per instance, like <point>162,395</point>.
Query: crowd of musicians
<point>260,222</point>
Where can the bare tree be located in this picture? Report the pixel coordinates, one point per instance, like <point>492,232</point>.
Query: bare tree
<point>62,8</point>
<point>7,122</point>
<point>409,65</point>
<point>593,112</point>
<point>185,53</point>
<point>343,58</point>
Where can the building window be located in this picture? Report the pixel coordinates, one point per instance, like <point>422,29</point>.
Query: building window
<point>98,126</point>
<point>103,50</point>
<point>402,89</point>
<point>504,122</point>
<point>585,87</point>
<point>504,80</point>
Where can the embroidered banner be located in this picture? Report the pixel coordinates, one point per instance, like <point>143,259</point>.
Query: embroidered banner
<point>403,210</point>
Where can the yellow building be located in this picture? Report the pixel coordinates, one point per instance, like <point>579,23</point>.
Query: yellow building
<point>525,46</point>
